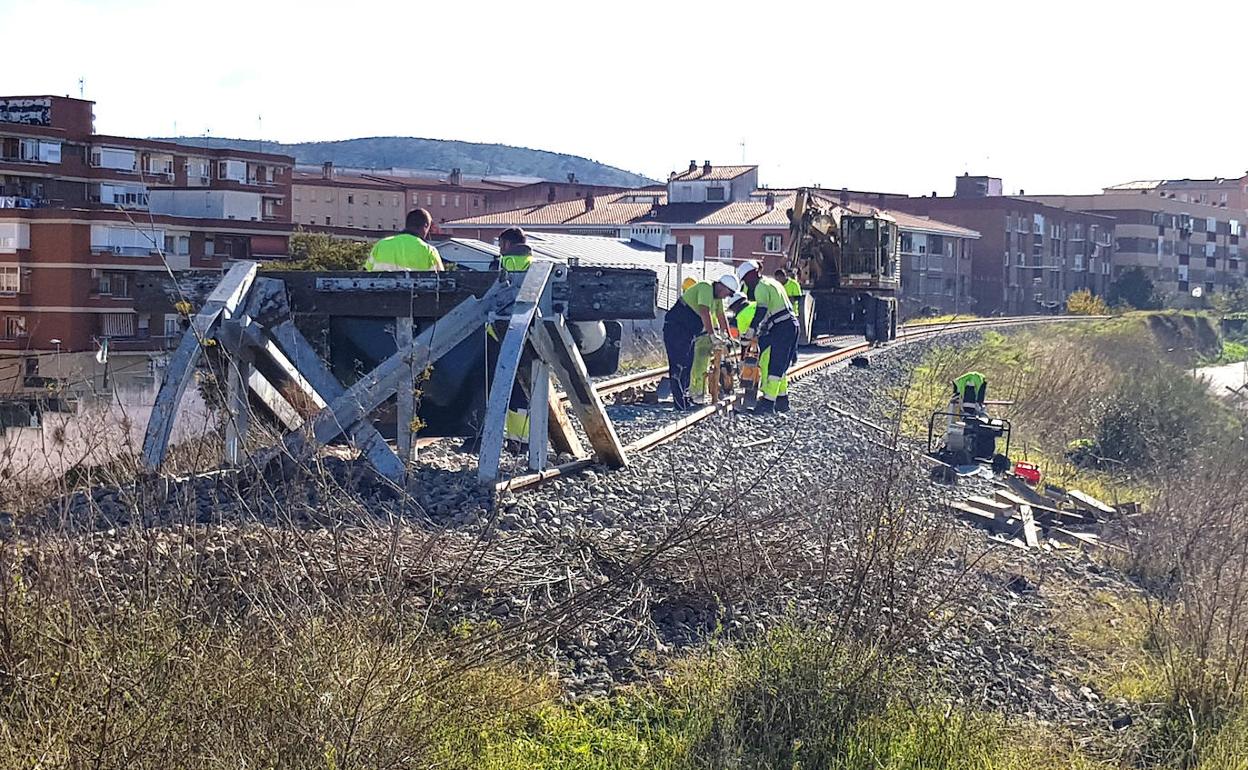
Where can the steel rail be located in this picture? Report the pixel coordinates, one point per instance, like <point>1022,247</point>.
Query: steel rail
<point>909,333</point>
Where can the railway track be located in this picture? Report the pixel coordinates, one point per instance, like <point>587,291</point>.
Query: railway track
<point>809,362</point>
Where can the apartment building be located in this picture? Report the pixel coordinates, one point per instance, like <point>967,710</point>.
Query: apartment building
<point>1228,193</point>
<point>81,214</point>
<point>1180,245</point>
<point>1030,256</point>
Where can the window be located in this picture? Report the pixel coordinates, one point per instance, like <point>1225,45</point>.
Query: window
<point>350,199</point>
<point>444,199</point>
<point>10,280</point>
<point>429,199</point>
<point>725,247</point>
<point>456,203</point>
<point>394,200</point>
<point>1211,262</point>
<point>172,326</point>
<point>366,221</point>
<point>210,247</point>
<point>714,193</point>
<point>1183,286</point>
<point>14,326</point>
<point>1007,257</point>
<point>329,221</point>
<point>772,244</point>
<point>365,199</point>
<point>1211,225</point>
<point>476,202</point>
<point>351,222</point>
<point>1208,287</point>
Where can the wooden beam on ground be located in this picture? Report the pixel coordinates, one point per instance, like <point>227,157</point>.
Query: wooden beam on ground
<point>1091,504</point>
<point>534,285</point>
<point>562,434</point>
<point>1031,535</point>
<point>222,303</point>
<point>554,344</point>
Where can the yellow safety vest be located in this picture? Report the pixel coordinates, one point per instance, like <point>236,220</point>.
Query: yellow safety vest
<point>403,252</point>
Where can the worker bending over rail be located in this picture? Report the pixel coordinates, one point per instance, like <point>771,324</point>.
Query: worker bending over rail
<point>695,316</point>
<point>776,328</point>
<point>408,249</point>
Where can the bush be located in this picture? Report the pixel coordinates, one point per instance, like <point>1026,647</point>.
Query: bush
<point>1135,289</point>
<point>1084,302</point>
<point>322,251</point>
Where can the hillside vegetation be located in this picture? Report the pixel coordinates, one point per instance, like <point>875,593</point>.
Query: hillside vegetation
<point>435,154</point>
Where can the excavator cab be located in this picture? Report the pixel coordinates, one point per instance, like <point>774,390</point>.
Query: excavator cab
<point>868,250</point>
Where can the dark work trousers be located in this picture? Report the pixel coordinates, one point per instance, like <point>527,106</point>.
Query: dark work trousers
<point>681,327</point>
<point>782,339</point>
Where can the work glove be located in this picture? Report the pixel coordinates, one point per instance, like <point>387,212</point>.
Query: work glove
<point>749,334</point>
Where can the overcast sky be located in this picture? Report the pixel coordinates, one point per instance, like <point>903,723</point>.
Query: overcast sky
<point>900,96</point>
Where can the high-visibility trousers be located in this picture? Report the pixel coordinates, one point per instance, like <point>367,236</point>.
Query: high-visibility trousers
<point>701,361</point>
<point>780,341</point>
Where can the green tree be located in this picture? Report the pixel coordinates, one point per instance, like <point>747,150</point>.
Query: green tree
<point>321,251</point>
<point>1133,287</point>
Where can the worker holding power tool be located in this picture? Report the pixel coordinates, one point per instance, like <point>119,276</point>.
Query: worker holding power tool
<point>694,316</point>
<point>775,326</point>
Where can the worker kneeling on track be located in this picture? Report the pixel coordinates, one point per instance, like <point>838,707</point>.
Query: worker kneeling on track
<point>697,315</point>
<point>775,325</point>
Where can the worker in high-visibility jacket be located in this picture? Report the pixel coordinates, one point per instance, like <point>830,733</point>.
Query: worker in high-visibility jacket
<point>792,289</point>
<point>514,256</point>
<point>776,328</point>
<point>407,250</point>
<point>698,313</point>
<point>970,389</point>
<point>743,318</point>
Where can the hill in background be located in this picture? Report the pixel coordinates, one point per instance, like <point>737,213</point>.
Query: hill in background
<point>435,154</point>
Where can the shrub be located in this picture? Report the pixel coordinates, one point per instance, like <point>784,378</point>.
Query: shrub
<point>1084,302</point>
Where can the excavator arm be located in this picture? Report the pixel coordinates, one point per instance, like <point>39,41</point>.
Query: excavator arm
<point>814,241</point>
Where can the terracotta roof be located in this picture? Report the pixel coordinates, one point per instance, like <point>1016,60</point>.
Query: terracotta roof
<point>716,174</point>
<point>427,183</point>
<point>607,210</point>
<point>341,180</point>
<point>928,225</point>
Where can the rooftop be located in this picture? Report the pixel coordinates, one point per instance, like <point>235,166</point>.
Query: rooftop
<point>712,174</point>
<point>610,209</point>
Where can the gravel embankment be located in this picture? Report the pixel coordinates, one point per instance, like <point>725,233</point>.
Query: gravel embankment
<point>701,536</point>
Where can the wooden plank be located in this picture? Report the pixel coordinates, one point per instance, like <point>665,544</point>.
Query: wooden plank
<point>1090,503</point>
<point>222,303</point>
<point>358,401</point>
<point>296,349</point>
<point>991,505</point>
<point>534,285</point>
<point>286,414</point>
<point>562,434</point>
<point>1031,535</point>
<point>1043,513</point>
<point>1074,538</point>
<point>554,344</point>
<point>406,399</point>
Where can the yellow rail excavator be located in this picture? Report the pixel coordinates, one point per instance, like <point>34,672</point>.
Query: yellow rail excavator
<point>847,260</point>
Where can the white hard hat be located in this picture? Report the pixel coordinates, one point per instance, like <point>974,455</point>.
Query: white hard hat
<point>734,299</point>
<point>729,280</point>
<point>745,268</point>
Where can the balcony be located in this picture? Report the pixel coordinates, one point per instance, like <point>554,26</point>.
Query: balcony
<point>20,202</point>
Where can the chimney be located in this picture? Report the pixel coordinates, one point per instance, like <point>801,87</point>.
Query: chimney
<point>693,165</point>
<point>571,178</point>
<point>589,201</point>
<point>671,175</point>
<point>771,200</point>
<point>933,193</point>
<point>327,169</point>
<point>456,177</point>
<point>550,194</point>
<point>706,167</point>
<point>1021,191</point>
<point>844,196</point>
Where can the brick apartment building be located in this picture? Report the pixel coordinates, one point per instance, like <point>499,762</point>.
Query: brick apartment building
<point>1222,192</point>
<point>1030,256</point>
<point>1179,245</point>
<point>368,203</point>
<point>722,213</point>
<point>82,213</point>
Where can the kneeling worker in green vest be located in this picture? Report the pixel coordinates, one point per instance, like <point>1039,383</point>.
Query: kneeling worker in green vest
<point>515,256</point>
<point>407,250</point>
